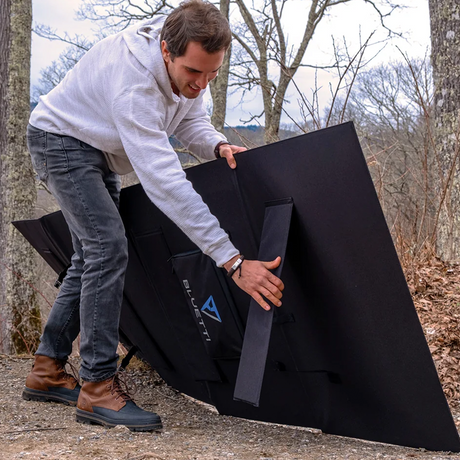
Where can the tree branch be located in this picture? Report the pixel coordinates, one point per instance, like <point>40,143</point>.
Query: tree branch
<point>46,32</point>
<point>246,48</point>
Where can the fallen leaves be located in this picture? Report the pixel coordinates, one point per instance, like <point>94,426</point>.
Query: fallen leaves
<point>435,289</point>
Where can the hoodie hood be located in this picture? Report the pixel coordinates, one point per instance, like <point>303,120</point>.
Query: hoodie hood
<point>143,41</point>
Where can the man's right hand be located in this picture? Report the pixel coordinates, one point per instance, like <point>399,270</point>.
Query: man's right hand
<point>254,277</point>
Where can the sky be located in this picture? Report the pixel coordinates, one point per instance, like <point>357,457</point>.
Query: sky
<point>353,21</point>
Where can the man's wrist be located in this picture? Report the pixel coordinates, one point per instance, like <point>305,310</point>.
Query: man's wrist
<point>236,266</point>
<point>228,265</point>
<point>218,146</point>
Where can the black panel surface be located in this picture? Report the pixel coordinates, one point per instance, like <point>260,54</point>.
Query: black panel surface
<point>347,353</point>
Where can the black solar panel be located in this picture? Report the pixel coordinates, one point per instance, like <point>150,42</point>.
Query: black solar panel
<point>346,352</point>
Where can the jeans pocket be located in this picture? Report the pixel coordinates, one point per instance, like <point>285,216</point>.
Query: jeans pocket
<point>36,143</point>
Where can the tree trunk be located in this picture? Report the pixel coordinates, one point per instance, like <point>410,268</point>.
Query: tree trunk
<point>19,312</point>
<point>445,43</point>
<point>220,84</point>
<point>4,57</point>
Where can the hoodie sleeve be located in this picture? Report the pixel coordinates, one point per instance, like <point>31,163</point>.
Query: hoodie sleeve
<point>196,133</point>
<point>139,117</point>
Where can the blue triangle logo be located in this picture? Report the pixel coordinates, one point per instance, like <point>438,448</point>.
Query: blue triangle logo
<point>209,308</point>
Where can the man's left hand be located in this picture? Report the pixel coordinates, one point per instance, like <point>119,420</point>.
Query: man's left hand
<point>228,151</point>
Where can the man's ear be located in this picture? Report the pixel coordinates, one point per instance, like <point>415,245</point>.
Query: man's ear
<point>164,51</point>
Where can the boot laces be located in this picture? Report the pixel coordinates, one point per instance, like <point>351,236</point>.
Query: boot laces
<point>73,375</point>
<point>122,385</point>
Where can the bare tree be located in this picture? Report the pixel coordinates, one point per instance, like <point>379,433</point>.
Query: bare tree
<point>5,31</point>
<point>263,42</point>
<point>220,84</point>
<point>115,15</point>
<point>347,68</point>
<point>19,313</point>
<point>53,74</point>
<point>445,44</point>
<point>391,105</point>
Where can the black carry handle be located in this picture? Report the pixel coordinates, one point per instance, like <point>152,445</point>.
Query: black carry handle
<point>273,243</point>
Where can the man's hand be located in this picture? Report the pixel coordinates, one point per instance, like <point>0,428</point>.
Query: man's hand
<point>256,280</point>
<point>228,151</point>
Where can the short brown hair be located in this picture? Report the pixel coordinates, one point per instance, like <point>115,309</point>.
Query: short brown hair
<point>196,21</point>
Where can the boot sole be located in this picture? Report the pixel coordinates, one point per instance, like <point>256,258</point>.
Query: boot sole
<point>89,418</point>
<point>43,396</point>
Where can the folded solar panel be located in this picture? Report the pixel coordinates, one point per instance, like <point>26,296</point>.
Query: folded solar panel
<point>345,353</point>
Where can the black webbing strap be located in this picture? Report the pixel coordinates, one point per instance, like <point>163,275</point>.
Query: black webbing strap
<point>258,328</point>
<point>124,363</point>
<point>62,275</point>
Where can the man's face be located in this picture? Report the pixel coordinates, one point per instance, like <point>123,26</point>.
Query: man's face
<point>192,72</point>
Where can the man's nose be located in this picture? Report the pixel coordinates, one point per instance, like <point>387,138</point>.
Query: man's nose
<point>202,81</point>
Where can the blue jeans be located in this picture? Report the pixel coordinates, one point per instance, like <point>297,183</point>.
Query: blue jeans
<point>90,297</point>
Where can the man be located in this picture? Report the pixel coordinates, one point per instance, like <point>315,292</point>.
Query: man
<point>113,113</point>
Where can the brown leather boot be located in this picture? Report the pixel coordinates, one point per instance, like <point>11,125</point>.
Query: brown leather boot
<point>106,403</point>
<point>48,381</point>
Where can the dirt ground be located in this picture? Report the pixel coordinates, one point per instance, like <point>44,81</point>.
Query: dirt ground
<point>33,430</point>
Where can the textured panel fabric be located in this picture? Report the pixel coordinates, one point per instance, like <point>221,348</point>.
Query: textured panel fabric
<point>346,352</point>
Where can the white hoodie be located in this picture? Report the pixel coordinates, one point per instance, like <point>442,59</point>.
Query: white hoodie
<point>118,98</point>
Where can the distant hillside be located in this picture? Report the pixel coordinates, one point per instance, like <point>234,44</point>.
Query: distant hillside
<point>252,135</point>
